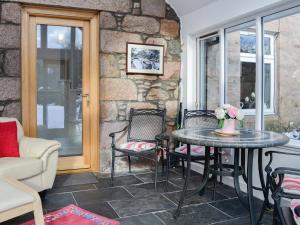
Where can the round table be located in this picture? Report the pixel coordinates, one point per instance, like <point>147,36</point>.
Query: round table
<point>247,139</point>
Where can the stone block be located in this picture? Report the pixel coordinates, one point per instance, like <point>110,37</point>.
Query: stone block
<point>115,41</point>
<point>109,111</point>
<point>118,89</point>
<point>10,36</point>
<point>141,24</point>
<point>10,88</point>
<point>157,94</point>
<point>110,65</point>
<point>11,12</point>
<point>155,8</point>
<point>169,28</point>
<point>171,70</point>
<point>171,107</point>
<point>158,41</point>
<point>12,63</point>
<point>174,47</point>
<point>107,21</point>
<point>13,110</point>
<point>101,5</point>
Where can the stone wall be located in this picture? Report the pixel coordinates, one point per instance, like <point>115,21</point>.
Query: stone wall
<point>10,77</point>
<point>121,21</point>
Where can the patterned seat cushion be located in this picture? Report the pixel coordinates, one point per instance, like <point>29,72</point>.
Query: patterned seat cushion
<point>195,150</point>
<point>295,204</point>
<point>137,146</point>
<point>291,184</point>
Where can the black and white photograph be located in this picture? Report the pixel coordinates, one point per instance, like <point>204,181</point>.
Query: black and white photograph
<point>145,59</point>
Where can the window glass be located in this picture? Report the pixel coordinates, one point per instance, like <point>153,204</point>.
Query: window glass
<point>209,72</point>
<point>286,94</point>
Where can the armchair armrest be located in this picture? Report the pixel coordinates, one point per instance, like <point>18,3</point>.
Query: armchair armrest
<point>37,147</point>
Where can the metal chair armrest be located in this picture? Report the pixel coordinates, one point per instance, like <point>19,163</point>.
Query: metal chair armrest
<point>286,170</point>
<point>113,134</point>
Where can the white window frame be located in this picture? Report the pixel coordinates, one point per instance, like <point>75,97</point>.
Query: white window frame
<point>268,59</point>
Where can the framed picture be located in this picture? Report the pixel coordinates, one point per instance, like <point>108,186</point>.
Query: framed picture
<point>145,59</point>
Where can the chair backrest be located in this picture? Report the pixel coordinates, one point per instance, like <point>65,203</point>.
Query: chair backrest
<point>199,118</point>
<point>19,126</point>
<point>145,124</point>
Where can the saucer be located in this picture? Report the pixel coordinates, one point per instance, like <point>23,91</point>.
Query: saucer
<point>220,132</point>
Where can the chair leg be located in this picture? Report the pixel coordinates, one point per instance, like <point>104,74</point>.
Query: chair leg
<point>38,212</point>
<point>183,168</point>
<point>156,171</point>
<point>167,171</point>
<point>221,167</point>
<point>129,163</point>
<point>162,161</point>
<point>112,166</point>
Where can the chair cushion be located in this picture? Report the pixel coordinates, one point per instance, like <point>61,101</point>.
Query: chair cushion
<point>138,146</point>
<point>20,168</point>
<point>11,197</point>
<point>195,150</point>
<point>291,184</point>
<point>9,146</point>
<point>295,204</point>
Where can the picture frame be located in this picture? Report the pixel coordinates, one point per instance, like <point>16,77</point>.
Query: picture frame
<point>145,59</point>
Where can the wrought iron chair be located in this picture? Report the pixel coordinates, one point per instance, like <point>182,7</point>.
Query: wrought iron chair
<point>284,184</point>
<point>195,119</point>
<point>145,125</point>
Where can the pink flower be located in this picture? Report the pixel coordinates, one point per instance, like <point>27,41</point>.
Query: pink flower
<point>232,112</point>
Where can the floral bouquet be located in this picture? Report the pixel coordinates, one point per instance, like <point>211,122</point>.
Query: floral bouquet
<point>227,115</point>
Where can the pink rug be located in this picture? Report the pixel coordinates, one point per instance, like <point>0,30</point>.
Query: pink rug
<point>72,215</point>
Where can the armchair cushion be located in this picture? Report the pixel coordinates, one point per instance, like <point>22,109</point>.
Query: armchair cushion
<point>291,184</point>
<point>138,146</point>
<point>37,147</point>
<point>9,146</point>
<point>20,168</point>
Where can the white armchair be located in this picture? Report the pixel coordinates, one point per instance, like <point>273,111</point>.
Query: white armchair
<point>37,164</point>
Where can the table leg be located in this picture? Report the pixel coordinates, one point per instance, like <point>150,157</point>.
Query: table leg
<point>188,169</point>
<point>236,178</point>
<point>250,187</point>
<point>265,188</point>
<point>204,181</point>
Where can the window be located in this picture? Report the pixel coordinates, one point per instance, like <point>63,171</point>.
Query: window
<point>276,105</point>
<point>209,70</point>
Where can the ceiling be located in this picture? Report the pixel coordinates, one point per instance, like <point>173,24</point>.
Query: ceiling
<point>183,7</point>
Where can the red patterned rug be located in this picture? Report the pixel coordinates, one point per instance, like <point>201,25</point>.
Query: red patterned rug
<point>72,215</point>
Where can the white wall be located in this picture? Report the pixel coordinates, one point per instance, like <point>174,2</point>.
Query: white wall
<point>221,13</point>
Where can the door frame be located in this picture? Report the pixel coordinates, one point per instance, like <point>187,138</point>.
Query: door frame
<point>29,74</point>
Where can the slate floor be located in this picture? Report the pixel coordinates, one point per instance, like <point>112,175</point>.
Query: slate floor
<point>133,201</point>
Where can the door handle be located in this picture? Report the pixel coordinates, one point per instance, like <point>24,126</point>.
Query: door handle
<point>86,96</point>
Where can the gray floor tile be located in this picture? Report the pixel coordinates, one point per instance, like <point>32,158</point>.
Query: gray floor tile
<point>19,220</point>
<point>75,179</point>
<point>194,215</point>
<point>149,177</point>
<point>118,181</point>
<point>147,219</point>
<point>193,182</point>
<point>57,201</point>
<point>81,187</point>
<point>103,209</point>
<point>147,189</point>
<point>96,196</point>
<point>196,199</point>
<point>234,207</point>
<point>141,206</point>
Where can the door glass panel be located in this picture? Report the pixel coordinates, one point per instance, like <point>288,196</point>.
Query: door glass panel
<point>59,86</point>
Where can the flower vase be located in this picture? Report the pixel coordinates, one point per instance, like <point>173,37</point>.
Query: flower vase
<point>229,126</point>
